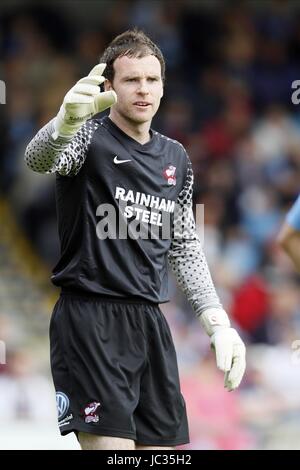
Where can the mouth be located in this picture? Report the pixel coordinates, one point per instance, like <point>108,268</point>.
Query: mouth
<point>142,104</point>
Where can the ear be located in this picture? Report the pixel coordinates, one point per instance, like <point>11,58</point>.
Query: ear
<point>108,85</point>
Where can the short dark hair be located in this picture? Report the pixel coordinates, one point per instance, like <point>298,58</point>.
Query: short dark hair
<point>132,43</point>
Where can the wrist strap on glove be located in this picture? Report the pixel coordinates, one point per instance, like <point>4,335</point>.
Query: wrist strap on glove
<point>214,318</point>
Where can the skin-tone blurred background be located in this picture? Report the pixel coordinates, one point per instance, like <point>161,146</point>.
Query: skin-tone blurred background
<point>230,70</point>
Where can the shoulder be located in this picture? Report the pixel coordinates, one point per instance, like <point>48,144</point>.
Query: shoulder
<point>169,142</point>
<point>91,125</point>
<point>179,157</point>
<point>173,148</point>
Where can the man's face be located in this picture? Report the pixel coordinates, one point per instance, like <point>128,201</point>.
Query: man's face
<point>139,87</point>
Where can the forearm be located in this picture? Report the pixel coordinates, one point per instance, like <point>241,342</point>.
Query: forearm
<point>289,240</point>
<point>292,248</point>
<point>190,268</point>
<point>64,156</point>
<point>42,152</point>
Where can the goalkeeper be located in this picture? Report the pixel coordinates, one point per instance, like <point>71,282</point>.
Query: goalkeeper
<point>113,360</point>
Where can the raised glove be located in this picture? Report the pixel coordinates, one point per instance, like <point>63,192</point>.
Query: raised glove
<point>83,101</point>
<point>229,348</point>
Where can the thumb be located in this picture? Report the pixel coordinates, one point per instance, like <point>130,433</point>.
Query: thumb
<point>105,100</point>
<point>97,70</point>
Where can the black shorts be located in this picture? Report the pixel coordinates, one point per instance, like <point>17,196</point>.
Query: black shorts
<point>115,371</point>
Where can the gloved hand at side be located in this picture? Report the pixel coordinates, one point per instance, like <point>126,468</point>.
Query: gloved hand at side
<point>229,348</point>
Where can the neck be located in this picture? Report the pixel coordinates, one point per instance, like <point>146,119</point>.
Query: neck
<point>138,131</point>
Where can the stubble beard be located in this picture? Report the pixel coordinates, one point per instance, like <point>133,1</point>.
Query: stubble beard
<point>134,118</point>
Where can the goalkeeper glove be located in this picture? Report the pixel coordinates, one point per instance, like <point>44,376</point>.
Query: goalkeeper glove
<point>82,102</point>
<point>229,348</point>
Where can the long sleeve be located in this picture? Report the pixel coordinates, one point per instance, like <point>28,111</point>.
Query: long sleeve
<point>186,256</point>
<point>66,157</point>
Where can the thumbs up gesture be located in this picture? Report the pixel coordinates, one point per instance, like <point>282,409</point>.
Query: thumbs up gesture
<point>83,101</point>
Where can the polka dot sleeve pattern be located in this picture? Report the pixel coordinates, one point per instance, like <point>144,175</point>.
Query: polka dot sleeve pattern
<point>186,256</point>
<point>66,157</point>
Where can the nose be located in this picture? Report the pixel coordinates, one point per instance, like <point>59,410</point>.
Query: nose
<point>143,87</point>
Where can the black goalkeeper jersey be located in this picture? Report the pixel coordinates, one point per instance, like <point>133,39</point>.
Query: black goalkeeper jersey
<point>141,181</point>
<point>120,218</point>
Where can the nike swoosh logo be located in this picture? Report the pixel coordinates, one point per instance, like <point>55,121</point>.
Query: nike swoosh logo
<point>117,162</point>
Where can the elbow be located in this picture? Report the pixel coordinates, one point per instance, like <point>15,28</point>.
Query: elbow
<point>284,236</point>
<point>27,159</point>
<point>30,164</point>
<point>33,162</point>
<point>282,240</point>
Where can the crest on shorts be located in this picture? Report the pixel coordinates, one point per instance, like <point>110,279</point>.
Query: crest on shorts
<point>62,404</point>
<point>169,175</point>
<point>90,412</point>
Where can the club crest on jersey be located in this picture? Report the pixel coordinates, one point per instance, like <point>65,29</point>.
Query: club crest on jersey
<point>169,175</point>
<point>90,412</point>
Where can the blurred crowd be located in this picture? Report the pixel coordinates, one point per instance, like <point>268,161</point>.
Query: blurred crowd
<point>230,69</point>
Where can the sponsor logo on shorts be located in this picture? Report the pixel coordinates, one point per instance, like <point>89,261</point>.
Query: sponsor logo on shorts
<point>91,413</point>
<point>66,421</point>
<point>62,404</point>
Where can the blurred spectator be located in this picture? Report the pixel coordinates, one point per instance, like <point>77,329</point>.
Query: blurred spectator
<point>24,393</point>
<point>219,414</point>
